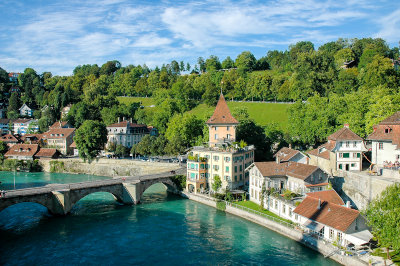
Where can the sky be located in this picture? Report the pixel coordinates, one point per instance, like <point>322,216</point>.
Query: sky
<point>57,36</point>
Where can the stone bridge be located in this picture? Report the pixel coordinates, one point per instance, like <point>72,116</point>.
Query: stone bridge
<point>60,198</point>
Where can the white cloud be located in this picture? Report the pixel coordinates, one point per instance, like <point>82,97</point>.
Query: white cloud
<point>390,27</point>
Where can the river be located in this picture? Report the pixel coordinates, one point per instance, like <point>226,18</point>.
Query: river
<point>165,229</point>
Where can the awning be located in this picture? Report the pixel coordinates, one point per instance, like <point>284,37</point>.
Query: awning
<point>359,238</point>
<point>313,226</point>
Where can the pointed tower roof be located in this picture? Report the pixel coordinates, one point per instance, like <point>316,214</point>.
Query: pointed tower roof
<point>221,114</point>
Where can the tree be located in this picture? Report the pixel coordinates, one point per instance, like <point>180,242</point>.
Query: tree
<point>212,63</point>
<point>202,64</point>
<point>3,149</point>
<point>187,127</point>
<point>245,62</point>
<point>383,215</point>
<point>14,103</point>
<point>228,63</point>
<point>121,150</point>
<point>90,138</point>
<point>217,183</point>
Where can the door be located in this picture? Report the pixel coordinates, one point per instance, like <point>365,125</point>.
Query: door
<point>347,167</point>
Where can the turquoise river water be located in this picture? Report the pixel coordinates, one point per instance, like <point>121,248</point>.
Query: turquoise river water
<point>164,230</point>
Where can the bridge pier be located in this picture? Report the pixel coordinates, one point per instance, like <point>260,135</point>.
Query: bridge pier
<point>61,203</point>
<point>131,192</point>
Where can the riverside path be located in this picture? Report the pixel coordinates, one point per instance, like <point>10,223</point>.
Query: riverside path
<point>60,198</point>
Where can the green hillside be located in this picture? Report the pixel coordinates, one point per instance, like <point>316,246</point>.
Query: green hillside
<point>262,113</point>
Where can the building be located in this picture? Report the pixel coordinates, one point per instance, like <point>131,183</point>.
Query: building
<point>45,153</point>
<point>331,221</point>
<point>75,149</point>
<point>32,138</point>
<point>126,133</point>
<point>290,155</point>
<point>385,142</point>
<point>5,126</point>
<point>22,151</point>
<point>291,176</point>
<point>65,111</point>
<point>60,124</point>
<point>25,110</point>
<point>23,126</point>
<point>61,139</point>
<point>13,77</point>
<point>343,151</point>
<point>10,139</point>
<point>221,157</point>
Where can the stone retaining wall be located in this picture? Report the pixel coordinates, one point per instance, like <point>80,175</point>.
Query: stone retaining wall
<point>111,167</point>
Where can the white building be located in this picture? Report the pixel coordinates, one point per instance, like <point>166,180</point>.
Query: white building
<point>23,126</point>
<point>385,141</point>
<point>285,176</point>
<point>332,222</point>
<point>343,151</point>
<point>25,110</point>
<point>126,133</point>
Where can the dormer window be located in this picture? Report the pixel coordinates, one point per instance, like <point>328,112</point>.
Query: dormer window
<point>387,130</point>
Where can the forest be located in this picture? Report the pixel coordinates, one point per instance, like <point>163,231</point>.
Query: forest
<point>353,81</point>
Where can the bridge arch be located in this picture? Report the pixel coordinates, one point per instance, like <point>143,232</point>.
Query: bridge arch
<point>44,201</point>
<point>166,181</point>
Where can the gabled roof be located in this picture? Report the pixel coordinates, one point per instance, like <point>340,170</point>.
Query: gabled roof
<point>25,105</point>
<point>221,114</point>
<point>58,133</point>
<point>324,150</point>
<point>126,123</point>
<point>73,145</point>
<point>22,150</point>
<point>394,119</point>
<point>285,154</point>
<point>34,137</point>
<point>344,134</point>
<point>22,120</point>
<point>388,129</point>
<point>47,153</point>
<point>294,169</point>
<point>60,124</point>
<point>329,214</point>
<point>9,138</point>
<point>328,195</point>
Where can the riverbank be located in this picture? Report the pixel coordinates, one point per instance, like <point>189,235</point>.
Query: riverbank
<point>289,231</point>
<point>106,167</point>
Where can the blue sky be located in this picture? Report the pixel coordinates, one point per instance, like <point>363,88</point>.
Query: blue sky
<point>57,36</point>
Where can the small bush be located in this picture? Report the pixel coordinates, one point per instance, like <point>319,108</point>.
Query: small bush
<point>221,205</point>
<point>56,166</point>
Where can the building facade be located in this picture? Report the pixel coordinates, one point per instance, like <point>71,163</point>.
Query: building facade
<point>343,151</point>
<point>385,141</point>
<point>126,133</point>
<point>23,126</point>
<point>221,157</point>
<point>25,110</point>
<point>61,139</point>
<point>22,151</point>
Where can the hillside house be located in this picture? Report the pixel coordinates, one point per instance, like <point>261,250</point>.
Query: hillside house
<point>290,155</point>
<point>126,133</point>
<point>60,124</point>
<point>385,142</point>
<point>291,176</point>
<point>23,126</point>
<point>25,110</point>
<point>46,153</point>
<point>61,139</point>
<point>5,126</point>
<point>22,151</point>
<point>10,139</point>
<point>343,151</point>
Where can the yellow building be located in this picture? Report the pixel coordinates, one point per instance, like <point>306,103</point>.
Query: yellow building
<point>221,157</point>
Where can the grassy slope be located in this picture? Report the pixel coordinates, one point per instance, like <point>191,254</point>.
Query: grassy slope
<point>262,113</point>
<point>256,207</point>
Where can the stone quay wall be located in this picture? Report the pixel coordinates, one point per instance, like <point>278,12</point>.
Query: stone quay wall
<point>321,246</point>
<point>109,167</point>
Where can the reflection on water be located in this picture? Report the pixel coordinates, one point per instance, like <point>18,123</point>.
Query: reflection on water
<point>165,229</point>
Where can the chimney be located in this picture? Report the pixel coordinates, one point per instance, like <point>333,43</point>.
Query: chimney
<point>375,128</point>
<point>347,125</point>
<point>119,119</point>
<point>278,159</point>
<point>319,204</point>
<point>348,205</point>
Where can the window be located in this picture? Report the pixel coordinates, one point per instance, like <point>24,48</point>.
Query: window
<point>227,169</point>
<point>339,236</point>
<point>380,146</point>
<point>355,144</point>
<point>347,144</point>
<point>216,136</point>
<point>340,155</point>
<point>346,155</point>
<point>216,167</point>
<point>235,178</point>
<point>353,165</point>
<point>240,177</point>
<point>276,204</point>
<point>290,212</point>
<point>227,159</point>
<point>227,128</point>
<point>340,166</point>
<point>216,158</point>
<point>330,234</point>
<point>296,217</point>
<point>240,168</point>
<point>387,130</point>
<point>235,169</point>
<point>354,154</point>
<point>284,209</point>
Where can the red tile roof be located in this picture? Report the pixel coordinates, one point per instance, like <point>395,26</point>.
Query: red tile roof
<point>73,145</point>
<point>344,134</point>
<point>9,138</point>
<point>388,129</point>
<point>317,185</point>
<point>58,133</point>
<point>327,195</point>
<point>126,123</point>
<point>294,169</point>
<point>394,119</point>
<point>22,150</point>
<point>325,148</point>
<point>47,153</point>
<point>21,120</point>
<point>221,114</point>
<point>330,214</point>
<point>285,154</point>
<point>59,124</point>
